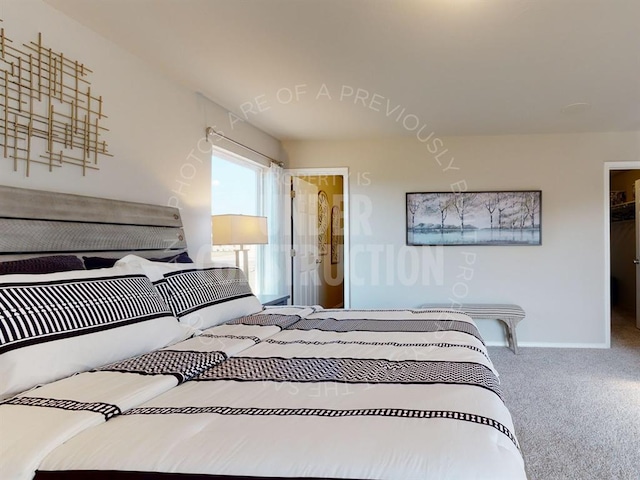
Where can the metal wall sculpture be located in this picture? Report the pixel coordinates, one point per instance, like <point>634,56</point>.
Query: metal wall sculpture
<point>49,114</point>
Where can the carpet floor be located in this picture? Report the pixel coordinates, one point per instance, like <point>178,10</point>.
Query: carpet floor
<point>577,411</point>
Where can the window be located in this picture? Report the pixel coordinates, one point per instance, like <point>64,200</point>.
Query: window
<point>236,188</point>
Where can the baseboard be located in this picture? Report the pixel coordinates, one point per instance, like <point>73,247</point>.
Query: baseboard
<point>551,345</point>
<point>497,344</point>
<point>563,345</point>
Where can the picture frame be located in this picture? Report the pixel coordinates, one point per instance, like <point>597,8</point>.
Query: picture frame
<point>617,197</point>
<point>512,217</point>
<point>323,223</point>
<point>335,235</point>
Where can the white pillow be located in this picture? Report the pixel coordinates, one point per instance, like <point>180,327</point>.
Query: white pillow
<point>200,297</point>
<point>154,270</point>
<point>54,325</point>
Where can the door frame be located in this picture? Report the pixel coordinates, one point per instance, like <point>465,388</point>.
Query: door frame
<point>636,193</point>
<point>608,167</point>
<point>315,172</point>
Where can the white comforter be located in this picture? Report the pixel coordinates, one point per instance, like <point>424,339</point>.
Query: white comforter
<point>339,394</point>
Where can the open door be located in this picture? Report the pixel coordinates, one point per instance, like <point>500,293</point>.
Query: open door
<point>637,258</point>
<point>304,210</point>
<point>331,271</point>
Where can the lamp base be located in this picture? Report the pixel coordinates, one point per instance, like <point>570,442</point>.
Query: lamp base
<point>244,253</point>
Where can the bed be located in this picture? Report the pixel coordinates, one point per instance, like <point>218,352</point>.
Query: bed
<point>157,370</point>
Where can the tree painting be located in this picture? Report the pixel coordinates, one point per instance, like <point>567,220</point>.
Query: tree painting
<point>463,203</point>
<point>413,205</point>
<point>491,203</point>
<point>444,202</point>
<point>474,218</point>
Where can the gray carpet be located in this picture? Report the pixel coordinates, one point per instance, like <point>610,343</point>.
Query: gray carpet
<point>577,411</point>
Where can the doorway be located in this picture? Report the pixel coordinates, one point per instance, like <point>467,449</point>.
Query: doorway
<point>621,238</point>
<point>318,272</point>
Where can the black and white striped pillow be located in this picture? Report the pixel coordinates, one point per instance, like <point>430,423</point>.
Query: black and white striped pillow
<point>55,325</point>
<point>200,297</point>
<point>206,297</point>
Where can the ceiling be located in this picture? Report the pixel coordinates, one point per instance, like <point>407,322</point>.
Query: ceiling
<point>337,69</point>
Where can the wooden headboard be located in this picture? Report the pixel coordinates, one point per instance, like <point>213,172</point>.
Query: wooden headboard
<point>37,222</point>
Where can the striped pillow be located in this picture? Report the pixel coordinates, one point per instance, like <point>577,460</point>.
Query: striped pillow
<point>54,325</point>
<point>199,297</point>
<point>206,297</point>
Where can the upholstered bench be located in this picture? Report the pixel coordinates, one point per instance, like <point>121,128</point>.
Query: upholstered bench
<point>510,315</point>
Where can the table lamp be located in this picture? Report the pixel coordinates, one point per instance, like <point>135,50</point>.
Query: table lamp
<point>239,230</point>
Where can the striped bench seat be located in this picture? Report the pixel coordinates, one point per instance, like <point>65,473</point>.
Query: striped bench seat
<point>508,314</point>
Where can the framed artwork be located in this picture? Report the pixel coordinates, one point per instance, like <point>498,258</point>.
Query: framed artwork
<point>618,196</point>
<point>474,218</point>
<point>323,222</point>
<point>335,234</point>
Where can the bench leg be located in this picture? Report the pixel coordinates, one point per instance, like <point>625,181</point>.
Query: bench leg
<point>512,339</point>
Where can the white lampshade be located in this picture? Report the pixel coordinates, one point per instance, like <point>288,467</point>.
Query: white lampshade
<point>238,230</point>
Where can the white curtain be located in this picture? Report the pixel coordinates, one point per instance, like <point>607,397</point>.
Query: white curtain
<point>272,279</point>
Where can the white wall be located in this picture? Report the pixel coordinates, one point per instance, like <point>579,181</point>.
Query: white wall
<point>156,125</point>
<point>559,284</point>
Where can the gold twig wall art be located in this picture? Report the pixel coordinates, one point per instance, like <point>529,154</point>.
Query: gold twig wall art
<point>50,116</point>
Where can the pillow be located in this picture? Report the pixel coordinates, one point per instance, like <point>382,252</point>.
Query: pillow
<point>180,258</point>
<point>200,297</point>
<point>154,270</point>
<point>51,264</point>
<point>55,325</point>
<point>206,297</point>
<point>91,263</point>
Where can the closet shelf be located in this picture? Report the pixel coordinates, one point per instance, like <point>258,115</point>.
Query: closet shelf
<point>623,211</point>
